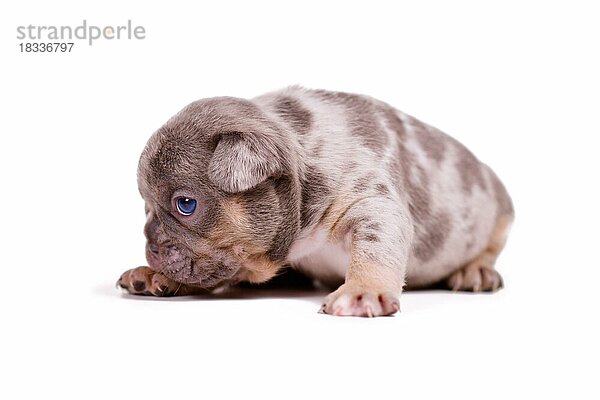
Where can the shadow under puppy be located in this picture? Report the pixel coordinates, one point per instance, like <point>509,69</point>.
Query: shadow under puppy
<point>341,187</point>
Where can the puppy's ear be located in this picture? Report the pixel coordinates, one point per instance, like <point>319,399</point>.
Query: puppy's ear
<point>243,160</point>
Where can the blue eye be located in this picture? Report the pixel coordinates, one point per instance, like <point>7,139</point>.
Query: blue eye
<point>185,205</point>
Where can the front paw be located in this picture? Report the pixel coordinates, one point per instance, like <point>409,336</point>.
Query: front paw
<point>147,282</point>
<point>360,302</point>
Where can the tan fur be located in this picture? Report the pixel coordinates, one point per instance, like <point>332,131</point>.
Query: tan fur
<point>234,231</point>
<point>235,214</point>
<point>500,234</point>
<point>479,274</point>
<point>369,290</point>
<point>333,216</point>
<point>259,269</point>
<point>360,274</point>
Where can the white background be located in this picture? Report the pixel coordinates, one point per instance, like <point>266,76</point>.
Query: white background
<point>517,82</point>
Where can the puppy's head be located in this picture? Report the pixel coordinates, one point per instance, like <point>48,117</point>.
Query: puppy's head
<point>221,188</point>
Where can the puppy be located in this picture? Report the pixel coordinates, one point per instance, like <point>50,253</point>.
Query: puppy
<point>342,187</point>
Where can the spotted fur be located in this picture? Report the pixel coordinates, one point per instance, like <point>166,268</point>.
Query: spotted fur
<point>340,186</point>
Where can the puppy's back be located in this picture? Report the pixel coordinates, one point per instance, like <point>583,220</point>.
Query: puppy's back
<point>355,145</point>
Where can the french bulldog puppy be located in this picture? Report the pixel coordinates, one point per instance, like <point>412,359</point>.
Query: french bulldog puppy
<point>342,187</point>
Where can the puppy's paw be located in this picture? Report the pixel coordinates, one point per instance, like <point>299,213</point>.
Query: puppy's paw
<point>145,281</point>
<point>475,277</point>
<point>360,302</point>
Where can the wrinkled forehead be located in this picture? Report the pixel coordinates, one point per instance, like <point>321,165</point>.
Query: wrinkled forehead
<point>178,154</point>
